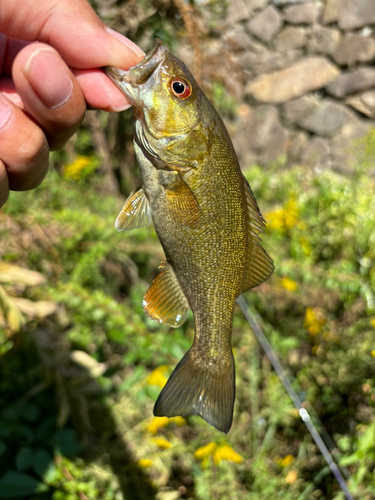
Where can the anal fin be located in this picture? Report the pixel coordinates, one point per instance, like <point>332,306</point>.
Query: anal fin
<point>165,301</point>
<point>259,265</point>
<point>135,213</point>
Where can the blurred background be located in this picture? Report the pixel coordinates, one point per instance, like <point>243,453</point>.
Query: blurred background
<point>81,365</point>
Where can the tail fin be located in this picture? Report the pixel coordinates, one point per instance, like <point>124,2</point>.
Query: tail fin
<point>194,389</point>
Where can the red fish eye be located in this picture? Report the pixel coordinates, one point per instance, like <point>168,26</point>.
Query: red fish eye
<point>180,88</point>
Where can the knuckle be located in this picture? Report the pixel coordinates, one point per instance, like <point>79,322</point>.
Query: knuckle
<point>33,147</point>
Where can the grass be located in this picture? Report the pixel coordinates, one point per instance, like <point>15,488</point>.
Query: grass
<point>81,365</point>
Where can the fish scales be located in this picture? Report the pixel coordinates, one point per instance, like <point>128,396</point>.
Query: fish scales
<point>207,221</point>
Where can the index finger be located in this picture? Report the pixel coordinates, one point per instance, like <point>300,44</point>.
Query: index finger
<point>73,29</point>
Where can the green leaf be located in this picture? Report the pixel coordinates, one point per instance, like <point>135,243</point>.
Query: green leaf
<point>14,411</point>
<point>24,458</point>
<point>366,440</point>
<point>3,447</point>
<point>66,443</point>
<point>5,428</point>
<point>31,412</point>
<point>17,484</point>
<point>46,428</point>
<point>42,460</point>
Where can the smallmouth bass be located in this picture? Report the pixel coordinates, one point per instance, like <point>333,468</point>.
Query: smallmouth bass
<point>207,221</point>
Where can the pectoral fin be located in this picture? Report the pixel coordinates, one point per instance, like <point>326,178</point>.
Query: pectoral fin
<point>181,202</point>
<point>165,301</point>
<point>135,213</point>
<point>259,265</point>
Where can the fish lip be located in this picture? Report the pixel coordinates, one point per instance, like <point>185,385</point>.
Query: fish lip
<point>132,80</point>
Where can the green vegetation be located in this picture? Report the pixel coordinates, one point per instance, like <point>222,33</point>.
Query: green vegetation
<point>81,365</point>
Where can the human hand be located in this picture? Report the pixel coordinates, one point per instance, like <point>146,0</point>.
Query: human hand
<point>50,55</point>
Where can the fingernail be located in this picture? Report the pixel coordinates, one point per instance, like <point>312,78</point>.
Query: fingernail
<point>131,45</point>
<point>5,112</point>
<point>122,108</point>
<point>46,74</point>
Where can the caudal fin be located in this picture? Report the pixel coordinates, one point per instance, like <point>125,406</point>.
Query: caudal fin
<point>193,389</point>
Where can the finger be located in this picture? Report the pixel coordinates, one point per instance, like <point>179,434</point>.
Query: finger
<point>23,148</point>
<point>10,47</point>
<point>99,91</point>
<point>73,29</point>
<point>4,184</point>
<point>49,92</point>
<point>8,89</point>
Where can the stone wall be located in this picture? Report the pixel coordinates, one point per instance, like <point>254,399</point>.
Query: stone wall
<point>305,75</point>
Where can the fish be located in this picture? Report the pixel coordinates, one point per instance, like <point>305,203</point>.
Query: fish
<point>208,223</point>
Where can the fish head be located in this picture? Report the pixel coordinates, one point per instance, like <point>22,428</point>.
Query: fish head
<point>167,102</point>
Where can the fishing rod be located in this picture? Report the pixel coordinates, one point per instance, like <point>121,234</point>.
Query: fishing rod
<point>304,414</point>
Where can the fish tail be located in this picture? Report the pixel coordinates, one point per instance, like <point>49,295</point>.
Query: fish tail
<point>194,389</point>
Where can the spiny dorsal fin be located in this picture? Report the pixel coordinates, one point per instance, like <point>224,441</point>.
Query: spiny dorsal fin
<point>135,213</point>
<point>182,203</point>
<point>165,301</point>
<point>259,265</point>
<point>200,388</point>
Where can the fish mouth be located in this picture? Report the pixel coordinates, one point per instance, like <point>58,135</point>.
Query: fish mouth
<point>139,77</point>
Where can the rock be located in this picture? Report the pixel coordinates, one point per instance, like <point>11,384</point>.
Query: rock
<point>324,40</point>
<point>287,2</point>
<point>266,24</point>
<point>364,103</point>
<point>331,9</point>
<point>296,110</point>
<point>352,81</point>
<point>239,40</point>
<point>302,14</point>
<point>310,74</point>
<point>296,146</point>
<point>354,48</point>
<point>290,38</point>
<point>237,12</point>
<point>316,153</point>
<point>327,119</point>
<point>355,14</point>
<point>257,4</point>
<point>261,136</point>
<point>349,146</point>
<point>267,61</point>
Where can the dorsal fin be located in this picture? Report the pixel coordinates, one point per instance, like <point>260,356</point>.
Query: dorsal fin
<point>135,213</point>
<point>165,301</point>
<point>259,265</point>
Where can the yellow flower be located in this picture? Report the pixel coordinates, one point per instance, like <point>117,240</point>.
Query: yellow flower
<point>306,247</point>
<point>373,322</point>
<point>289,284</point>
<point>291,477</point>
<point>157,423</point>
<point>219,453</point>
<point>180,421</point>
<point>205,451</point>
<point>145,463</point>
<point>157,376</point>
<point>162,443</point>
<point>80,167</point>
<point>226,453</point>
<point>287,460</point>
<point>284,218</point>
<point>373,353</point>
<point>312,323</point>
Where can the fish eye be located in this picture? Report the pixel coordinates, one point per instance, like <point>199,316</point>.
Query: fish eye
<point>180,88</point>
